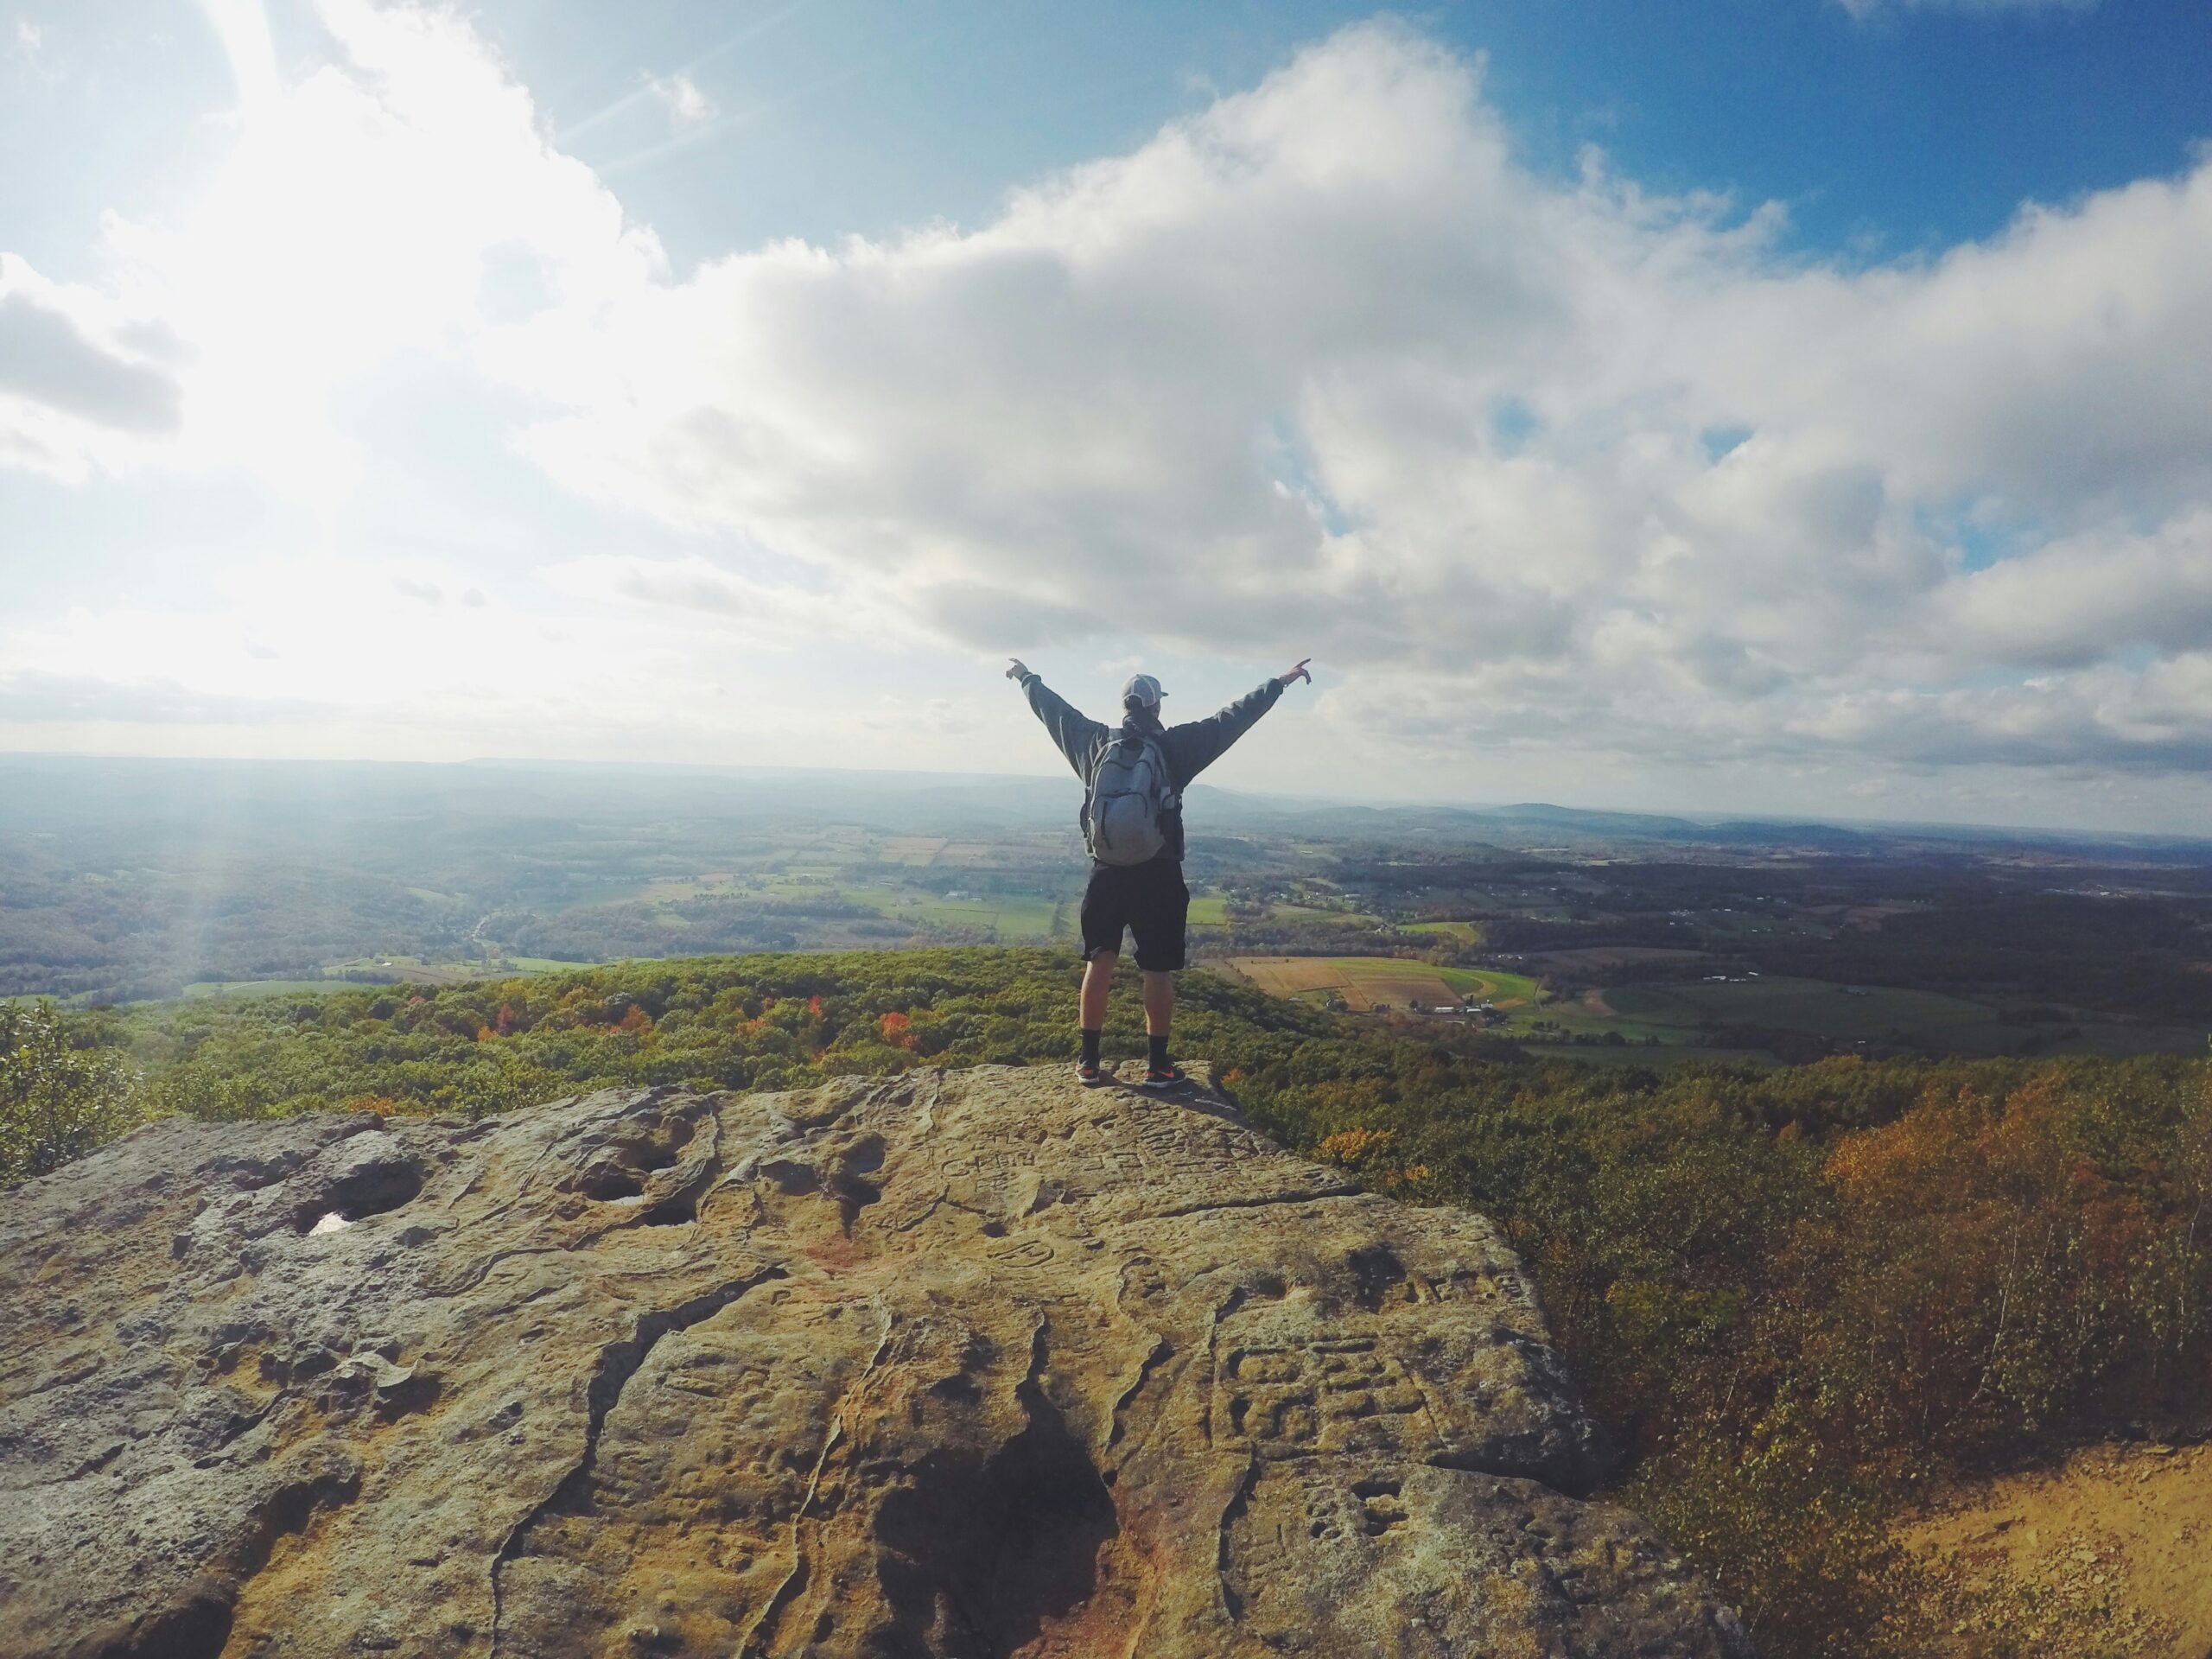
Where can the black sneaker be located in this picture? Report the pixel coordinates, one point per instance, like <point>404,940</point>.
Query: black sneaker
<point>1170,1078</point>
<point>1090,1075</point>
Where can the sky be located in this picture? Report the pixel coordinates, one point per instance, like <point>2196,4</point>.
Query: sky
<point>1759,406</point>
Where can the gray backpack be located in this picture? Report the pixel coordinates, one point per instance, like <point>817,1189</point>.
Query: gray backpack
<point>1124,815</point>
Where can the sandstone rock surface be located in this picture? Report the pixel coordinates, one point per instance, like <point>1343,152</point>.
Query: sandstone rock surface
<point>965,1365</point>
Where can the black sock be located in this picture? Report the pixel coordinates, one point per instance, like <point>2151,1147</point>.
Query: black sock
<point>1158,1043</point>
<point>1090,1048</point>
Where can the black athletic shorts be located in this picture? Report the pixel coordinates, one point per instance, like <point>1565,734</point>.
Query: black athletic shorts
<point>1149,900</point>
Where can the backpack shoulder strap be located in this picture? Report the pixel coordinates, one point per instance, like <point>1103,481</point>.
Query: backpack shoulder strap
<point>1169,795</point>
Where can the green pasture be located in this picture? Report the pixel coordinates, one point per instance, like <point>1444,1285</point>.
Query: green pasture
<point>421,971</point>
<point>583,894</point>
<point>1317,913</point>
<point>688,887</point>
<point>1819,1008</point>
<point>1004,915</point>
<point>1482,984</point>
<point>1489,985</point>
<point>1665,1057</point>
<point>1570,1017</point>
<point>1464,932</point>
<point>202,989</point>
<point>1944,1024</point>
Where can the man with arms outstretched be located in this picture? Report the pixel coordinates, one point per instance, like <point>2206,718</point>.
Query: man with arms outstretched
<point>1133,778</point>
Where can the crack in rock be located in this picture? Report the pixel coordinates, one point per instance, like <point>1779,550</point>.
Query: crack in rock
<point>617,1364</point>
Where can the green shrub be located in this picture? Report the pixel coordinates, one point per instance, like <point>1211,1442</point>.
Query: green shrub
<point>57,1100</point>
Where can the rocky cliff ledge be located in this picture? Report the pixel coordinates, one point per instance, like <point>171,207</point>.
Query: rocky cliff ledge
<point>980,1363</point>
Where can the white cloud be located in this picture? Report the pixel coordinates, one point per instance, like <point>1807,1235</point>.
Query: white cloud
<point>687,106</point>
<point>1533,467</point>
<point>781,616</point>
<point>2085,598</point>
<point>366,211</point>
<point>1242,387</point>
<point>28,50</point>
<point>243,28</point>
<point>79,389</point>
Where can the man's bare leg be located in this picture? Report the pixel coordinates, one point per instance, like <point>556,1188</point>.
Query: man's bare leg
<point>1159,1010</point>
<point>1097,980</point>
<point>1159,1003</point>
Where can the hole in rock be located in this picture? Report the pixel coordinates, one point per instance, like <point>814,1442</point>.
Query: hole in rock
<point>854,1162</point>
<point>1380,1509</point>
<point>673,1212</point>
<point>606,1182</point>
<point>1020,1546</point>
<point>657,1146</point>
<point>1376,1272</point>
<point>198,1630</point>
<point>864,1156</point>
<point>366,1190</point>
<point>852,1197</point>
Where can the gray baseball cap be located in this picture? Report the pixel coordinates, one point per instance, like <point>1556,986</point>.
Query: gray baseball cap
<point>1144,689</point>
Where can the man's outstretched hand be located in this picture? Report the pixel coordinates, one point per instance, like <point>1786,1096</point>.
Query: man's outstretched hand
<point>1016,669</point>
<point>1296,674</point>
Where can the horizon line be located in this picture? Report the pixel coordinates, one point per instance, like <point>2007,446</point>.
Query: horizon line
<point>1309,802</point>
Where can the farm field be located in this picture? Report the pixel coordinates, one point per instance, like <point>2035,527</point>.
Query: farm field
<point>1591,1014</point>
<point>1318,913</point>
<point>911,849</point>
<point>416,969</point>
<point>1464,932</point>
<point>1818,1007</point>
<point>1007,917</point>
<point>384,970</point>
<point>684,886</point>
<point>1367,982</point>
<point>1664,1058</point>
<point>1677,1012</point>
<point>1598,958</point>
<point>200,990</point>
<point>1680,1016</point>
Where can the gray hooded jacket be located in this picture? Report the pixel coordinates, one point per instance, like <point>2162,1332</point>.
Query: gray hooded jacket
<point>1190,748</point>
